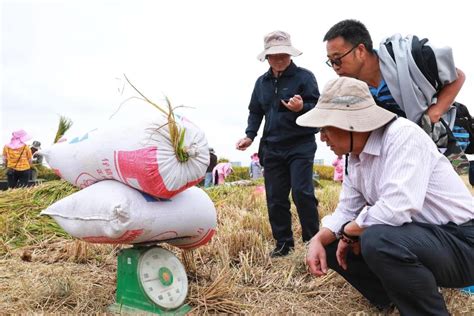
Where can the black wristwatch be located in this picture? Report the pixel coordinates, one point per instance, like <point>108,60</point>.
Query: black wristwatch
<point>341,235</point>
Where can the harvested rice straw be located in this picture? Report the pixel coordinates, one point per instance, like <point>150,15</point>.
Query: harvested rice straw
<point>176,135</point>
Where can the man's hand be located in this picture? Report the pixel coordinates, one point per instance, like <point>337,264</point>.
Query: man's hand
<point>243,143</point>
<point>294,104</point>
<point>352,229</point>
<point>342,249</point>
<point>316,258</point>
<point>446,97</point>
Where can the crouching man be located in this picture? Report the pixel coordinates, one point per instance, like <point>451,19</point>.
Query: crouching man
<point>404,224</point>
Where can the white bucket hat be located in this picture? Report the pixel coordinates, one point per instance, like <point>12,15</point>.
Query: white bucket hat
<point>277,42</point>
<point>346,103</point>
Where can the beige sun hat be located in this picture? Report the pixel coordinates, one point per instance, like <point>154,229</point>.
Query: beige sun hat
<point>278,42</point>
<point>346,103</point>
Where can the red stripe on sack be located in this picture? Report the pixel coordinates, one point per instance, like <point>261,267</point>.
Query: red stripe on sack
<point>127,237</point>
<point>204,240</point>
<point>142,166</point>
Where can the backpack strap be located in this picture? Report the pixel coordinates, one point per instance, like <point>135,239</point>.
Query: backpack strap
<point>425,59</point>
<point>388,45</point>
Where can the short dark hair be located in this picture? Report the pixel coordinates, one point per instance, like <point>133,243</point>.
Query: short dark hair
<point>351,31</point>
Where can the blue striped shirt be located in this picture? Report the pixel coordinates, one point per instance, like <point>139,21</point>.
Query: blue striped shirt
<point>383,98</point>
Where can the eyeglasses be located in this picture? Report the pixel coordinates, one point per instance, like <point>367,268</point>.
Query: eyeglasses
<point>323,130</point>
<point>338,61</point>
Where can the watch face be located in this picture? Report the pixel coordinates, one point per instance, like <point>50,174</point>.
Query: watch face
<point>163,278</point>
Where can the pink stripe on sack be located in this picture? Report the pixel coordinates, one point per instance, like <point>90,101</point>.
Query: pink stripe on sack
<point>139,169</point>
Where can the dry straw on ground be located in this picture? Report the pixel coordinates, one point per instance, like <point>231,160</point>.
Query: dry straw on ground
<point>42,270</point>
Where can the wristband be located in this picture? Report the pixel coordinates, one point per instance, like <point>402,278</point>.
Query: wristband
<point>345,237</point>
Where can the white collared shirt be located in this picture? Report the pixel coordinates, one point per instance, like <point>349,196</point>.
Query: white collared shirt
<point>400,177</point>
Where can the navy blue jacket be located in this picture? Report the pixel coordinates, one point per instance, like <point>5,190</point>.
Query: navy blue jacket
<point>280,123</point>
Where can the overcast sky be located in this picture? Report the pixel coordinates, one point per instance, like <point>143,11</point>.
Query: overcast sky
<point>64,57</point>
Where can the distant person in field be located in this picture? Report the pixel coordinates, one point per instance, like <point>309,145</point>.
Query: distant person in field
<point>18,159</point>
<point>255,169</point>
<point>37,158</point>
<point>281,95</point>
<point>221,171</point>
<point>404,224</point>
<point>212,164</point>
<point>338,165</point>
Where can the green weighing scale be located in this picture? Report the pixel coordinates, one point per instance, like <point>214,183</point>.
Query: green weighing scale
<point>150,279</point>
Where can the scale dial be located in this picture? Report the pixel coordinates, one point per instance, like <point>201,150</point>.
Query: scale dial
<point>163,278</point>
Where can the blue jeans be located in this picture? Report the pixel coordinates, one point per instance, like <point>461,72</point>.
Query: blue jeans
<point>208,180</point>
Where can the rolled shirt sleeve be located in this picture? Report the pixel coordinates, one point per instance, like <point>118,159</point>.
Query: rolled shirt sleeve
<point>350,203</point>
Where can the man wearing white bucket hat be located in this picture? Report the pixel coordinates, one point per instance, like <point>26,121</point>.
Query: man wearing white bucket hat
<point>404,224</point>
<point>286,150</point>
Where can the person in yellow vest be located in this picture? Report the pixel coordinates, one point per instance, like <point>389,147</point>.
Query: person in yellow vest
<point>18,159</point>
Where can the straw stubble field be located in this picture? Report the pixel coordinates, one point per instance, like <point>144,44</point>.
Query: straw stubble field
<point>42,270</point>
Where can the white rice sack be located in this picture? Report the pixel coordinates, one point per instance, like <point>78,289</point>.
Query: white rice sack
<point>112,212</point>
<point>135,150</point>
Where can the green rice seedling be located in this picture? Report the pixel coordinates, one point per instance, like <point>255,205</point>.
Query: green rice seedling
<point>64,125</point>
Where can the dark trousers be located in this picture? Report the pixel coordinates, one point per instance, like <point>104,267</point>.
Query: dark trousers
<point>406,264</point>
<point>17,178</point>
<point>291,168</point>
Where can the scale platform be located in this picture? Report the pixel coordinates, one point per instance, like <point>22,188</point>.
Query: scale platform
<point>150,279</point>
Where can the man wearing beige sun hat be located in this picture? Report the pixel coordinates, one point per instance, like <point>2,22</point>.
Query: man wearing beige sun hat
<point>278,42</point>
<point>286,150</point>
<point>404,224</point>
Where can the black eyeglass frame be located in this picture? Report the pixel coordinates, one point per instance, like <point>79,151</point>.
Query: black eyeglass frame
<point>338,61</point>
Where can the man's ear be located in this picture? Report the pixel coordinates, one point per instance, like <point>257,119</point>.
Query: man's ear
<point>361,50</point>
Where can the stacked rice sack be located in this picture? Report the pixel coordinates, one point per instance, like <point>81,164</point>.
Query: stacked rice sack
<point>135,148</point>
<point>137,184</point>
<point>112,212</point>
